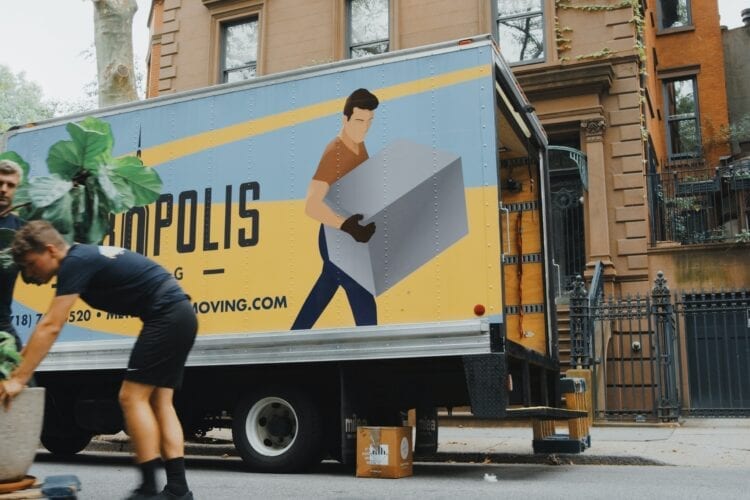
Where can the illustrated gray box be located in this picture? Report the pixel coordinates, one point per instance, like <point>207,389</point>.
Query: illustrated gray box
<point>415,196</point>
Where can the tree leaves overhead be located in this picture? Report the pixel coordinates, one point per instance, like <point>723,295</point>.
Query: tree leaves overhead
<point>86,184</point>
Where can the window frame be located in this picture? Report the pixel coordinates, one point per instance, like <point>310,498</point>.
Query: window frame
<point>223,27</point>
<point>670,119</point>
<point>659,16</point>
<point>348,27</point>
<point>542,12</point>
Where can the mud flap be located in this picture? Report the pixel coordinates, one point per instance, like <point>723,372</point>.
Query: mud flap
<point>486,382</point>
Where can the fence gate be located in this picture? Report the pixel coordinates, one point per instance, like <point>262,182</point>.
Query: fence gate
<point>632,345</point>
<point>717,343</point>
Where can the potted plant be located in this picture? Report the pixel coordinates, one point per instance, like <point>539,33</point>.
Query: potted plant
<point>21,423</point>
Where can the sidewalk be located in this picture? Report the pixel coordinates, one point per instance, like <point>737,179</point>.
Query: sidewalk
<point>692,442</point>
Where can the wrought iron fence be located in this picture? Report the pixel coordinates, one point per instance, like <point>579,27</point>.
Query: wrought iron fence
<point>657,356</point>
<point>692,204</point>
<point>716,329</point>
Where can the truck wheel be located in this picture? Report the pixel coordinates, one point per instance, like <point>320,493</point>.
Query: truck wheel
<point>278,431</point>
<point>66,445</point>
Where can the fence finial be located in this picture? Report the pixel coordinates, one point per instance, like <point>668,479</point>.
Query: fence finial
<point>579,288</point>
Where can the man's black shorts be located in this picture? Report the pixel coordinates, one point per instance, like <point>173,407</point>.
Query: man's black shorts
<point>159,355</point>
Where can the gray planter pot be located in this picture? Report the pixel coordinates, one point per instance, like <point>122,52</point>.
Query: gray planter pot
<point>20,428</point>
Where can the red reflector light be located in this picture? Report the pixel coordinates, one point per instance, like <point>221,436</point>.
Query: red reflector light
<point>465,41</point>
<point>479,309</point>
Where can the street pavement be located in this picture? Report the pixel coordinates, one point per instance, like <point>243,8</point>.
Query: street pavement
<point>691,442</point>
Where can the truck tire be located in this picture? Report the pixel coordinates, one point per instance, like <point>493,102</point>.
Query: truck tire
<point>68,444</point>
<point>278,430</point>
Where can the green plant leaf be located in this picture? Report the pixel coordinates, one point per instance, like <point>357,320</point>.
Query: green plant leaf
<point>116,189</point>
<point>60,214</point>
<point>9,356</point>
<point>13,156</point>
<point>43,191</point>
<point>64,159</point>
<point>94,146</point>
<point>144,181</point>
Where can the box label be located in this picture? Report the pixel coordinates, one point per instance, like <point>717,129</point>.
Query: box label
<point>377,455</point>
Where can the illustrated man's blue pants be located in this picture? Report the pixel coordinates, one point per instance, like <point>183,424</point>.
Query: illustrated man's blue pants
<point>331,278</point>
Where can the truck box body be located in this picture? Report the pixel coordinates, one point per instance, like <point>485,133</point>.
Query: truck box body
<point>236,165</point>
<point>231,225</point>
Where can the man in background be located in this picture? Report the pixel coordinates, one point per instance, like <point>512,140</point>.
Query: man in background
<point>11,176</point>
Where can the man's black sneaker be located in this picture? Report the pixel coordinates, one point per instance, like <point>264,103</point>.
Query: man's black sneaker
<point>166,494</point>
<point>139,495</point>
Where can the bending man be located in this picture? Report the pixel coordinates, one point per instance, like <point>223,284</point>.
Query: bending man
<point>118,281</point>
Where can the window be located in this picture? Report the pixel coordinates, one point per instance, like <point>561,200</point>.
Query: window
<point>683,131</point>
<point>520,30</point>
<point>368,27</point>
<point>239,49</point>
<point>674,14</point>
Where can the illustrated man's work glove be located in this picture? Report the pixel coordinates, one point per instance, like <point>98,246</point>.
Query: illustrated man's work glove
<point>358,231</point>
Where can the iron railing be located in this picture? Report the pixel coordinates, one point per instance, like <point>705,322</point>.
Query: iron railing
<point>692,204</point>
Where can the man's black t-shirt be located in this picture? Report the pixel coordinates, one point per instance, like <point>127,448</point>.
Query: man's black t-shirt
<point>8,276</point>
<point>116,280</point>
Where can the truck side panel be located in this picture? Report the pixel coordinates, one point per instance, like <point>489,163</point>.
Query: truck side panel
<point>237,163</point>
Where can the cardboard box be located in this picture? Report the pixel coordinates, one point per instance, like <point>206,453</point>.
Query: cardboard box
<point>415,196</point>
<point>384,452</point>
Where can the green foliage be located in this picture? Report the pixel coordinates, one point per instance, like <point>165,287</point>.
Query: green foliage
<point>86,184</point>
<point>9,356</point>
<point>742,237</point>
<point>21,101</point>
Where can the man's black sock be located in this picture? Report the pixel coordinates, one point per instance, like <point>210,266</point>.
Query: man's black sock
<point>148,472</point>
<point>176,482</point>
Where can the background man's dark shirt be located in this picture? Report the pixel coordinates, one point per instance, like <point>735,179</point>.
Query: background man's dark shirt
<point>116,280</point>
<point>8,276</point>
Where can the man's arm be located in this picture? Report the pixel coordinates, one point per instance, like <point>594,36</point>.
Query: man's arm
<point>44,335</point>
<point>317,209</point>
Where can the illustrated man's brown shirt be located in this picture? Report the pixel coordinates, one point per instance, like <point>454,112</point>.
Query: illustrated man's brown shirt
<point>338,160</point>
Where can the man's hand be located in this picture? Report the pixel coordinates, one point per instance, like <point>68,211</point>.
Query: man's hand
<point>359,232</point>
<point>9,389</point>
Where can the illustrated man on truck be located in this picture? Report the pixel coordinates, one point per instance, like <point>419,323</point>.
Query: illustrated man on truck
<point>342,155</point>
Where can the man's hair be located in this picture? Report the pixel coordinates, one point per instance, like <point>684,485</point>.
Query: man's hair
<point>8,167</point>
<point>34,237</point>
<point>362,99</point>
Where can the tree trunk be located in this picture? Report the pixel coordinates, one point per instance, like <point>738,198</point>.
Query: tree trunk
<point>113,38</point>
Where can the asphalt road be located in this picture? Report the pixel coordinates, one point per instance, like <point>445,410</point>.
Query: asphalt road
<point>112,475</point>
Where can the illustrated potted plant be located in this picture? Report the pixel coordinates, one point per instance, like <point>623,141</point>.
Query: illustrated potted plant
<point>86,185</point>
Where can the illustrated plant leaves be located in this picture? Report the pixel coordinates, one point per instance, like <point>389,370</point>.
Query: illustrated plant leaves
<point>13,156</point>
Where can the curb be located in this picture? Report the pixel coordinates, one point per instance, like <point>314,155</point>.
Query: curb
<point>223,449</point>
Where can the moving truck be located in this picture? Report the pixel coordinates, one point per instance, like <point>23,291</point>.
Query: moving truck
<point>433,293</point>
